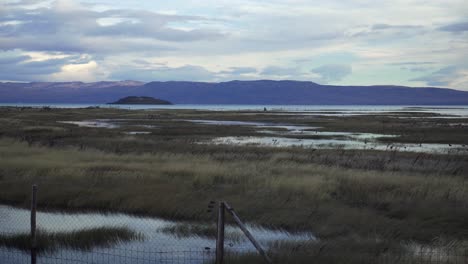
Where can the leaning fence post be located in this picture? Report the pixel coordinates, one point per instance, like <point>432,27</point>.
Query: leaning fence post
<point>33,224</point>
<point>220,234</point>
<point>247,233</point>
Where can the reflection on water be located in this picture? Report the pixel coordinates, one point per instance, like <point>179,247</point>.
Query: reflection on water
<point>92,123</point>
<point>15,221</point>
<point>282,135</point>
<point>340,144</point>
<point>292,128</point>
<point>343,135</point>
<point>137,133</point>
<point>109,123</point>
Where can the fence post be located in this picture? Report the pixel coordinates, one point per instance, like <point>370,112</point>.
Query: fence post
<point>33,224</point>
<point>220,234</point>
<point>247,233</point>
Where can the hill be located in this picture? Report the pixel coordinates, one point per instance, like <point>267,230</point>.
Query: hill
<point>143,100</point>
<point>233,92</point>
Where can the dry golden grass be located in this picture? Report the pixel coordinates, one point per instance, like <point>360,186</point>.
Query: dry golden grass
<point>330,201</point>
<point>344,197</point>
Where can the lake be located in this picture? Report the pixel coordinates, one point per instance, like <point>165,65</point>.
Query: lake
<point>460,110</point>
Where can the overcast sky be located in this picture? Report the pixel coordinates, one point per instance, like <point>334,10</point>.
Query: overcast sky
<point>355,42</point>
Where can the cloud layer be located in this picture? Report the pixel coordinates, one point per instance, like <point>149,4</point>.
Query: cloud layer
<point>336,42</point>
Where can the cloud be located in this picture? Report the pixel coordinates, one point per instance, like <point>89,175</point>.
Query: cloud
<point>387,26</point>
<point>416,69</point>
<point>280,71</point>
<point>239,70</point>
<point>455,27</point>
<point>387,32</point>
<point>48,68</point>
<point>67,26</point>
<point>22,3</point>
<point>451,76</point>
<point>183,73</point>
<point>84,71</point>
<point>333,72</point>
<point>412,63</point>
<point>384,41</point>
<point>14,59</point>
<point>144,30</point>
<point>414,66</point>
<point>151,25</point>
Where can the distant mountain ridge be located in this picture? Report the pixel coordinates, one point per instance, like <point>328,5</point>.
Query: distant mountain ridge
<point>232,92</point>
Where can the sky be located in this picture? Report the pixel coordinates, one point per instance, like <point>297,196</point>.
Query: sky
<point>338,42</point>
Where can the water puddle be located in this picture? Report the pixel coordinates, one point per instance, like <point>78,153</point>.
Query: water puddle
<point>457,124</point>
<point>327,134</point>
<point>339,144</point>
<point>329,138</point>
<point>137,132</point>
<point>224,122</point>
<point>156,239</point>
<point>291,128</point>
<point>326,139</point>
<point>106,123</point>
<point>92,123</point>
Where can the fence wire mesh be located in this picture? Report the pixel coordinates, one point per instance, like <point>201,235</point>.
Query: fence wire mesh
<point>118,238</point>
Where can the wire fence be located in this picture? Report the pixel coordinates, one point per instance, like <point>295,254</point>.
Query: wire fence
<point>118,256</point>
<point>117,238</point>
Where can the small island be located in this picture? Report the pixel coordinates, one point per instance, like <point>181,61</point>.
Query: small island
<point>144,100</point>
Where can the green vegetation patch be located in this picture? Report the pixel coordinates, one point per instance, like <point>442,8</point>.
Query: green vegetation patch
<point>86,239</point>
<point>200,230</point>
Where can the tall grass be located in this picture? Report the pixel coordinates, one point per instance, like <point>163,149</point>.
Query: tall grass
<point>353,252</point>
<point>86,239</point>
<point>330,201</point>
<point>337,194</point>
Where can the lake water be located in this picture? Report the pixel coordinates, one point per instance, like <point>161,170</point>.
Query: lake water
<point>461,110</point>
<point>160,246</point>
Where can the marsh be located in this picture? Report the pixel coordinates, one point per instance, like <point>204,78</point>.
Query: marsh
<point>374,199</point>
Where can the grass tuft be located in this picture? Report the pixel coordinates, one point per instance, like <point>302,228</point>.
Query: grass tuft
<point>86,239</point>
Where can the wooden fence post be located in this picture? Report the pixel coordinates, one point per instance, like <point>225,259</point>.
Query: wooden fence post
<point>247,233</point>
<point>33,224</point>
<point>220,234</point>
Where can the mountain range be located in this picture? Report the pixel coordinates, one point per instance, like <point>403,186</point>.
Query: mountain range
<point>232,92</point>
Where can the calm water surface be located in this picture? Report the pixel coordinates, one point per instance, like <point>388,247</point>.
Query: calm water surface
<point>161,244</point>
<point>446,110</point>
